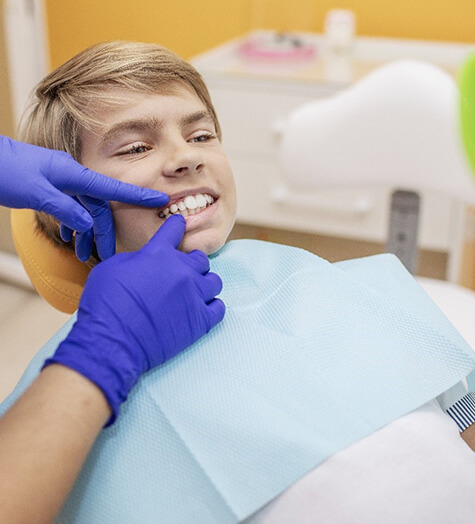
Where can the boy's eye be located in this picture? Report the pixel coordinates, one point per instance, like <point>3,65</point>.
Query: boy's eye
<point>204,137</point>
<point>136,149</point>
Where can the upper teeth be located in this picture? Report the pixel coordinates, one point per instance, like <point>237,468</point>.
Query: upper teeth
<point>190,205</point>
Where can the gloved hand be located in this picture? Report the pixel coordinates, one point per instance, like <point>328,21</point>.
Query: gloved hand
<point>45,180</point>
<point>140,309</point>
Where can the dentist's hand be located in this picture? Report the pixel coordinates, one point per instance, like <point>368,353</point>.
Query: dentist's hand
<point>51,181</point>
<point>140,309</point>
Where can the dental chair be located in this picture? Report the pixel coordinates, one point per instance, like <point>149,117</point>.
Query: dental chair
<point>399,128</point>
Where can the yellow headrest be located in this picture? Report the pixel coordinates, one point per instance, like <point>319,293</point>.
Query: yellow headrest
<point>56,274</point>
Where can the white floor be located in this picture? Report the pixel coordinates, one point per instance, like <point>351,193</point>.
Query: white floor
<point>26,323</point>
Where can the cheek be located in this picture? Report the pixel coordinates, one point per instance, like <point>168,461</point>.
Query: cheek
<point>134,226</point>
<point>231,196</point>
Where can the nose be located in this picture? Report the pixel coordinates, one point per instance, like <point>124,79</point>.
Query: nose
<point>182,159</point>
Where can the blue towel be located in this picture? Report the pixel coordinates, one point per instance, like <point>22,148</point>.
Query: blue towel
<point>310,358</point>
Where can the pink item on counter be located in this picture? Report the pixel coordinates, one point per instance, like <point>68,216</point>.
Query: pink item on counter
<point>278,47</point>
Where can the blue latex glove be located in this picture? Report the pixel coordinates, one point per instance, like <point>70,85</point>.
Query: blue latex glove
<point>140,309</point>
<point>45,180</point>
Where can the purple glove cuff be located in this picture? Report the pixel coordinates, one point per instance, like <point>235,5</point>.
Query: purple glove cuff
<point>114,382</point>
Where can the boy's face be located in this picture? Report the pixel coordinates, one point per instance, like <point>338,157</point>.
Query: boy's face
<point>167,143</point>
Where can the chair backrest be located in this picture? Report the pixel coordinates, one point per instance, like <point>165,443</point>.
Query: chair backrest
<point>398,127</point>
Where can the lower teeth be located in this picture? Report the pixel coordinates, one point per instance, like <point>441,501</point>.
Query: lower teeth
<point>184,212</point>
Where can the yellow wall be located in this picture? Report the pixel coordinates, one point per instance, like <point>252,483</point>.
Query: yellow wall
<point>186,27</point>
<point>449,20</point>
<point>189,26</point>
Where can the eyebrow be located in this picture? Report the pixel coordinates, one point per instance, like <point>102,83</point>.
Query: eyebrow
<point>143,124</point>
<point>136,124</point>
<point>197,116</point>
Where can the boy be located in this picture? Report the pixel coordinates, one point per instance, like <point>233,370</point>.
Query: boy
<point>138,113</point>
<point>122,135</point>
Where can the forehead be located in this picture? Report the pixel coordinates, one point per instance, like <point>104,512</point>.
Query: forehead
<point>123,103</point>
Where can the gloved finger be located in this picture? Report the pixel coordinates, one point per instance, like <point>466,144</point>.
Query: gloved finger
<point>171,233</point>
<point>104,231</point>
<point>197,260</point>
<point>215,311</point>
<point>84,244</point>
<point>63,208</point>
<point>209,286</point>
<point>65,233</point>
<point>70,176</point>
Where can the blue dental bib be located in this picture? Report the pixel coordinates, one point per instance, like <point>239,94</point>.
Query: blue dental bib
<point>310,358</point>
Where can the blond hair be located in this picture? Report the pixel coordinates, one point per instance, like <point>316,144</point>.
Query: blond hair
<point>65,101</point>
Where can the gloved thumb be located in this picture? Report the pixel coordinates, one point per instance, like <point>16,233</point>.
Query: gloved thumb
<point>171,233</point>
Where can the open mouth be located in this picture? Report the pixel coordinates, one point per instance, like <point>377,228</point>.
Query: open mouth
<point>189,205</point>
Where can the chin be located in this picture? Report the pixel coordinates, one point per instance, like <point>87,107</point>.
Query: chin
<point>209,244</point>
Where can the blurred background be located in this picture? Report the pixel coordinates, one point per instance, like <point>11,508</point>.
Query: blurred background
<point>189,27</point>
<point>38,35</point>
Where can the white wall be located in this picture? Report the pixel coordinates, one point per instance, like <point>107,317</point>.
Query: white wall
<point>25,35</point>
<point>24,38</point>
